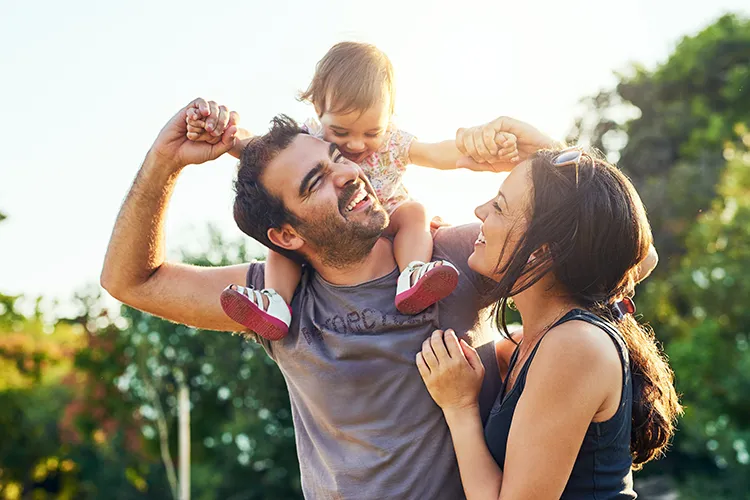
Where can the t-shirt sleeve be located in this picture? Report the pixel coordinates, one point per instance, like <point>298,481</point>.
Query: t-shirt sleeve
<point>256,275</point>
<point>456,244</point>
<point>256,278</point>
<point>399,145</point>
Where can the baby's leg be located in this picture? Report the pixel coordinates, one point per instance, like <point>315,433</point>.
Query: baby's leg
<point>411,228</point>
<point>421,285</point>
<point>282,275</point>
<point>265,312</point>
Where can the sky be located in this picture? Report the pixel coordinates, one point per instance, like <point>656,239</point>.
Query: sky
<point>86,87</point>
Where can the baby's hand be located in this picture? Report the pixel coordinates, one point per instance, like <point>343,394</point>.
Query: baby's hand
<point>197,129</point>
<point>507,144</point>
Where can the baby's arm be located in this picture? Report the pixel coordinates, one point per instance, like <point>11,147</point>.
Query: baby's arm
<point>445,155</point>
<point>199,129</point>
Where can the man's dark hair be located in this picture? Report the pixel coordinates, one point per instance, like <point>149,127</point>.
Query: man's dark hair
<point>256,210</point>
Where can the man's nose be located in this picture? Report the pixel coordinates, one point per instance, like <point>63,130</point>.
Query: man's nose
<point>345,173</point>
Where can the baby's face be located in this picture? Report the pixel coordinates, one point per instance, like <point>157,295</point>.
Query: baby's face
<point>357,134</point>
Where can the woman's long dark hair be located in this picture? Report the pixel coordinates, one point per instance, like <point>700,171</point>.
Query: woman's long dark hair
<point>592,233</point>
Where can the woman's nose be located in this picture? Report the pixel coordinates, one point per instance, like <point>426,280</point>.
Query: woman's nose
<point>481,212</point>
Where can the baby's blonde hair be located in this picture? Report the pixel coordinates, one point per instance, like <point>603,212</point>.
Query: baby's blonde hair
<point>352,76</point>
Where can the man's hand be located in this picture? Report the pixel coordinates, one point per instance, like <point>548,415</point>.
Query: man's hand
<point>478,143</point>
<point>173,147</point>
<point>196,126</point>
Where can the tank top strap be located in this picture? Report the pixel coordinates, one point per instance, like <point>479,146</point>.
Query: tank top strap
<point>608,327</point>
<point>521,380</point>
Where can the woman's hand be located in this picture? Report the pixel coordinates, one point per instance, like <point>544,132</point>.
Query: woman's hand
<point>451,370</point>
<point>478,143</point>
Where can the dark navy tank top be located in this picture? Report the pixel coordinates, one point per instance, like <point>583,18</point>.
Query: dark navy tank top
<point>602,469</point>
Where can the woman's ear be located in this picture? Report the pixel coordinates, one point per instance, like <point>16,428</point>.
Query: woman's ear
<point>285,237</point>
<point>538,253</point>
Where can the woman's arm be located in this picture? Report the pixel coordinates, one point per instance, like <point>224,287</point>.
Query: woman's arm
<point>480,474</point>
<point>453,374</point>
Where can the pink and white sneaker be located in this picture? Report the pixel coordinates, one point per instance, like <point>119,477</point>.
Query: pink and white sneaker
<point>433,281</point>
<point>246,306</point>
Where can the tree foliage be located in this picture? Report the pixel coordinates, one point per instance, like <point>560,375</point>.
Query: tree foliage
<point>685,113</point>
<point>105,409</point>
<point>680,131</point>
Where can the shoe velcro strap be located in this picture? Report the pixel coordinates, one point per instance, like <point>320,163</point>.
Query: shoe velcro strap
<point>422,268</point>
<point>252,294</point>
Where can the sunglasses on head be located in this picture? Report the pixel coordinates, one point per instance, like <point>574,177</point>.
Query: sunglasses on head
<point>570,156</point>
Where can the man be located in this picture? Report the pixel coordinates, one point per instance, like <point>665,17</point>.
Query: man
<point>366,426</point>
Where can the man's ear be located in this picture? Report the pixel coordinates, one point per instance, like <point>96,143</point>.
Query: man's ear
<point>285,237</point>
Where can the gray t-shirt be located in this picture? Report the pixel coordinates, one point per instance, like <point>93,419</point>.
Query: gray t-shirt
<point>366,427</point>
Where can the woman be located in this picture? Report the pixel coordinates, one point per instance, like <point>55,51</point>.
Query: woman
<point>588,395</point>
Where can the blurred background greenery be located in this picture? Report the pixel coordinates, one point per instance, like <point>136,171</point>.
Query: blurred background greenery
<point>88,402</point>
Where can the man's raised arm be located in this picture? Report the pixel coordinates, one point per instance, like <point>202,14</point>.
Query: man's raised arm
<point>135,271</point>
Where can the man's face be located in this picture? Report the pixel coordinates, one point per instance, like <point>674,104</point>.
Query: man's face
<point>340,215</point>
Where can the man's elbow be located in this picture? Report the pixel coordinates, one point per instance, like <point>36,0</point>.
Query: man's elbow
<point>116,284</point>
<point>109,282</point>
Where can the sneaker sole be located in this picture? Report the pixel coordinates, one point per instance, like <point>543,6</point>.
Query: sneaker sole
<point>247,313</point>
<point>438,283</point>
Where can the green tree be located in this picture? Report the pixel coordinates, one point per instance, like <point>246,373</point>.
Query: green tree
<point>242,437</point>
<point>680,132</point>
<point>34,359</point>
<point>685,112</point>
<point>710,345</point>
<point>88,404</point>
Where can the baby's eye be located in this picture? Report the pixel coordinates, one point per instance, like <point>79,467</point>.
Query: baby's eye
<point>340,134</point>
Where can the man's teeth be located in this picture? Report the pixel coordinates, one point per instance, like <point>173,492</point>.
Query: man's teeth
<point>480,238</point>
<point>361,196</point>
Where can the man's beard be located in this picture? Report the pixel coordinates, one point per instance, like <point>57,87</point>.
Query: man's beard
<point>339,243</point>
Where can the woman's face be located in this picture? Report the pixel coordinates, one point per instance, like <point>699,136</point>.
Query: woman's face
<point>504,219</point>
